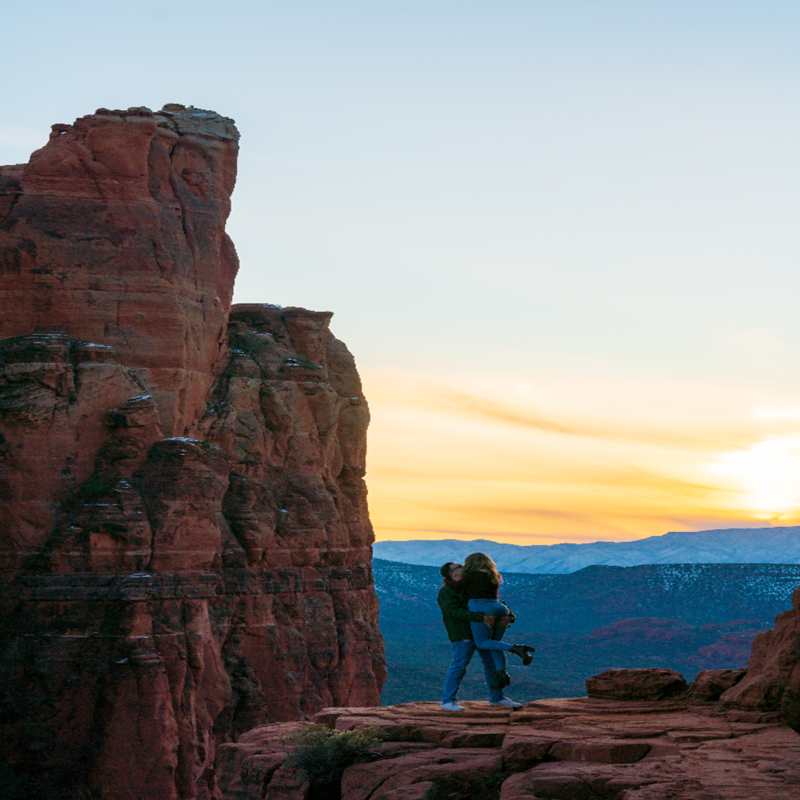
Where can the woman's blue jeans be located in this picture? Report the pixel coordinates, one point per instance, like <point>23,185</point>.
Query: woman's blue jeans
<point>487,638</point>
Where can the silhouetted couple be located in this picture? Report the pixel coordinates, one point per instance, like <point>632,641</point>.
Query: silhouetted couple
<point>476,619</point>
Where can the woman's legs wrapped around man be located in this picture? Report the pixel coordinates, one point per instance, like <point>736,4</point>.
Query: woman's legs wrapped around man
<point>491,639</point>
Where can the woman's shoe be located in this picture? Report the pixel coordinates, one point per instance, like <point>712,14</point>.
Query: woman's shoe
<point>501,679</point>
<point>523,651</point>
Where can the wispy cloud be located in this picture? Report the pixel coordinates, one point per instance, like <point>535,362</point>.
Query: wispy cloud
<point>444,460</point>
<point>619,431</point>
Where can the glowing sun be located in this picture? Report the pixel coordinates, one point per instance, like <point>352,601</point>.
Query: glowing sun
<point>768,473</point>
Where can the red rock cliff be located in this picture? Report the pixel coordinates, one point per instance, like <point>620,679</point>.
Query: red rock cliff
<point>772,681</point>
<point>185,549</point>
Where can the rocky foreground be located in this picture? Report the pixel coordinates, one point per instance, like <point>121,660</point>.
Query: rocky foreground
<point>569,749</point>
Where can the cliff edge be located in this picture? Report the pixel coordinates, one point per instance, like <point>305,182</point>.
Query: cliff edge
<point>567,749</point>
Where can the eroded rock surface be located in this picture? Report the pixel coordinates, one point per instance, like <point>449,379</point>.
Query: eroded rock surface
<point>570,749</point>
<point>636,684</point>
<point>185,548</point>
<point>772,681</point>
<point>114,232</point>
<point>711,684</point>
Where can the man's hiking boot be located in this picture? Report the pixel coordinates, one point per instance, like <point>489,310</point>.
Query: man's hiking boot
<point>501,679</point>
<point>523,651</point>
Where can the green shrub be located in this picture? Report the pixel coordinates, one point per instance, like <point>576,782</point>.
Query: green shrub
<point>475,786</point>
<point>13,785</point>
<point>98,485</point>
<point>321,755</point>
<point>252,343</point>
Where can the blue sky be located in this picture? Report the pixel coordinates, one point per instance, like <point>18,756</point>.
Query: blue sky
<point>531,199</point>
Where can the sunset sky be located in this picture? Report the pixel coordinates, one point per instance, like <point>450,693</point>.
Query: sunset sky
<point>560,238</point>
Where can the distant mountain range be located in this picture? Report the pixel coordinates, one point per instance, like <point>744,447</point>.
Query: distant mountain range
<point>726,546</point>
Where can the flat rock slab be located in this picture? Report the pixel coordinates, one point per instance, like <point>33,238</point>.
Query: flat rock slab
<point>566,749</point>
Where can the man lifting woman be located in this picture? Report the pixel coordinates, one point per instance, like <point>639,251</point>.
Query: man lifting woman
<point>475,618</point>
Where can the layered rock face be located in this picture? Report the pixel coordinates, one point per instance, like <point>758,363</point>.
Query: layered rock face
<point>113,236</point>
<point>114,232</point>
<point>185,548</point>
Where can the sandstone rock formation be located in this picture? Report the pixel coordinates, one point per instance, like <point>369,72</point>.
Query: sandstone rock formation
<point>185,549</point>
<point>572,749</point>
<point>772,681</point>
<point>113,251</point>
<point>636,684</point>
<point>711,684</point>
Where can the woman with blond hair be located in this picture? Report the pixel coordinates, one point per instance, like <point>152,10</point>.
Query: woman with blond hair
<point>480,583</point>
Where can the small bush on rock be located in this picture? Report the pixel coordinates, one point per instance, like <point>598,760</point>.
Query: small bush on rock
<point>475,786</point>
<point>253,344</point>
<point>321,755</point>
<point>13,786</point>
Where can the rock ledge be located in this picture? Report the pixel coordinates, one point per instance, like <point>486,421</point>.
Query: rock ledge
<point>570,749</point>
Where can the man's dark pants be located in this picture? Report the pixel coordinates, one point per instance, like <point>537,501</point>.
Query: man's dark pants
<point>462,653</point>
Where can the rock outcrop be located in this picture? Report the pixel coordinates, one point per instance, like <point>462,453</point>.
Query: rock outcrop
<point>711,684</point>
<point>185,548</point>
<point>569,749</point>
<point>636,684</point>
<point>113,252</point>
<point>772,681</point>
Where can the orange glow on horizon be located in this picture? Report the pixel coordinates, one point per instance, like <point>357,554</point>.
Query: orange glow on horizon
<point>568,461</point>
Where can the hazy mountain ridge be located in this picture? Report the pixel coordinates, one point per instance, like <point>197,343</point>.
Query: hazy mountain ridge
<point>723,546</point>
<point>695,594</point>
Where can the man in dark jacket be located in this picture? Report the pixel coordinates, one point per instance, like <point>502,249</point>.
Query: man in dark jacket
<point>456,617</point>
